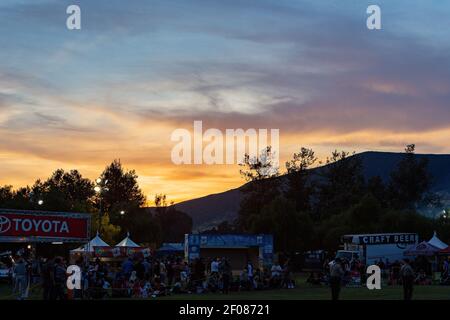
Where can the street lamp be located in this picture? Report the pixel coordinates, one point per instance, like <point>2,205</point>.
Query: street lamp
<point>444,217</point>
<point>33,197</point>
<point>100,188</point>
<point>122,213</point>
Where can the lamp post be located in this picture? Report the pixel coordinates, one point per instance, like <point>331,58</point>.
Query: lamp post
<point>444,215</point>
<point>33,197</point>
<point>100,187</point>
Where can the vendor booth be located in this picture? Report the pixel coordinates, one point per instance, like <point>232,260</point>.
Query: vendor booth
<point>128,243</point>
<point>87,251</point>
<point>125,248</point>
<point>436,242</point>
<point>374,247</point>
<point>237,248</point>
<point>89,247</point>
<point>422,249</point>
<point>97,248</point>
<point>44,233</point>
<point>27,226</point>
<point>427,255</point>
<point>170,249</point>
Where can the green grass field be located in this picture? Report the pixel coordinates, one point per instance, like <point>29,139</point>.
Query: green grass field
<point>323,293</point>
<point>302,292</point>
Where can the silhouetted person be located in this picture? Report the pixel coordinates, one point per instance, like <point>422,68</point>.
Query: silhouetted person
<point>47,274</point>
<point>336,274</point>
<point>226,275</point>
<point>20,272</point>
<point>59,279</point>
<point>407,275</point>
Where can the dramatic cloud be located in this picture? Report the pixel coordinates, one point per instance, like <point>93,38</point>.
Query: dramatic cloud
<point>138,70</point>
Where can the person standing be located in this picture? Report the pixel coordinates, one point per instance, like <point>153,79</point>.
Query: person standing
<point>250,274</point>
<point>336,274</point>
<point>215,267</point>
<point>20,272</point>
<point>226,275</point>
<point>147,269</point>
<point>407,275</point>
<point>60,279</point>
<point>47,277</point>
<point>162,272</point>
<point>127,267</point>
<point>445,268</point>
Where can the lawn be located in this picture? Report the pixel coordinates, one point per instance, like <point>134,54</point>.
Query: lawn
<point>302,292</point>
<point>305,292</point>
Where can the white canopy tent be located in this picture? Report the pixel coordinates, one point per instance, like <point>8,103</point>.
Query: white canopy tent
<point>436,242</point>
<point>89,247</point>
<point>127,242</point>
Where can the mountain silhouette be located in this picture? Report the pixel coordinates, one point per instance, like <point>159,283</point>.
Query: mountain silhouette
<point>210,210</point>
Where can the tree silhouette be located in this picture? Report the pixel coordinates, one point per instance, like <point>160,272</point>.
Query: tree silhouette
<point>410,182</point>
<point>300,187</point>
<point>261,189</point>
<point>121,191</point>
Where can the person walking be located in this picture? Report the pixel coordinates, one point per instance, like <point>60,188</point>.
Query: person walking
<point>336,274</point>
<point>407,275</point>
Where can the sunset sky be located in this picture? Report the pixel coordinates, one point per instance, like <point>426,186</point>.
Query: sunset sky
<point>137,70</point>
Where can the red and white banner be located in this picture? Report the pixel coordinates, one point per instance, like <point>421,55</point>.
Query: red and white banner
<point>22,226</point>
<point>116,252</point>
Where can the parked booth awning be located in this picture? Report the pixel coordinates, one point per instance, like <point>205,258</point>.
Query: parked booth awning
<point>436,242</point>
<point>421,249</point>
<point>127,242</point>
<point>89,247</point>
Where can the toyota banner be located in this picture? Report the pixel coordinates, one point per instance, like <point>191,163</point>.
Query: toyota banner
<point>39,226</point>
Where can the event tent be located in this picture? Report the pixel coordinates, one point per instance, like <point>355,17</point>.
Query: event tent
<point>171,247</point>
<point>436,242</point>
<point>127,242</point>
<point>421,249</point>
<point>89,247</point>
<point>445,251</point>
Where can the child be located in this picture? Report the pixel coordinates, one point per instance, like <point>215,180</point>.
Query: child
<point>146,290</point>
<point>131,282</point>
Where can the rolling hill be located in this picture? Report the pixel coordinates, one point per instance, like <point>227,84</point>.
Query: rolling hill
<point>212,209</point>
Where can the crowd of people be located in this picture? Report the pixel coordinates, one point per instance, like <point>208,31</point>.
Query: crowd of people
<point>139,277</point>
<point>354,272</point>
<point>343,272</point>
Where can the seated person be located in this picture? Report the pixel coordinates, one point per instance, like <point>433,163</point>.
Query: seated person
<point>422,278</point>
<point>313,279</point>
<point>146,289</point>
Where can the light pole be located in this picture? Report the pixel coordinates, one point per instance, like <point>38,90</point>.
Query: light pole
<point>39,202</point>
<point>444,215</point>
<point>100,187</point>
